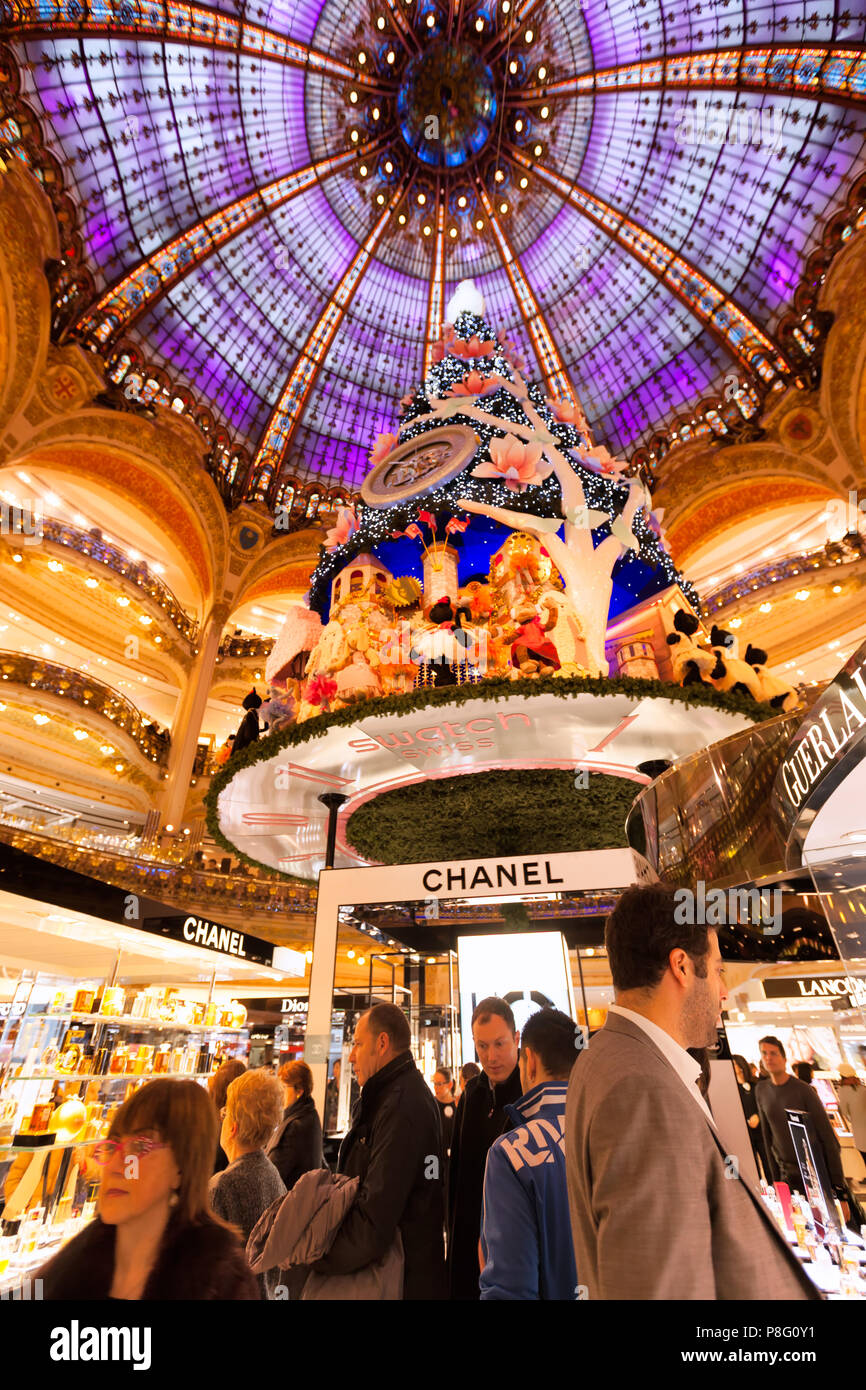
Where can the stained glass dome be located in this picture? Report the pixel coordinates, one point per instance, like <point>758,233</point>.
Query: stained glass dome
<point>270,213</point>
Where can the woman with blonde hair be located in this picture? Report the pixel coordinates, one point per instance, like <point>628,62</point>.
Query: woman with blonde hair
<point>254,1105</point>
<point>155,1236</point>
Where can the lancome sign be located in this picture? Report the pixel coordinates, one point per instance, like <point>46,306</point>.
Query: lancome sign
<point>828,744</point>
<point>817,987</point>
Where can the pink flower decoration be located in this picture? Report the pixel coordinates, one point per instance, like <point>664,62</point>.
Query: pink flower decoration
<point>407,400</point>
<point>476,385</point>
<point>516,464</point>
<point>599,460</point>
<point>437,352</point>
<point>347,524</point>
<point>569,414</point>
<point>320,690</point>
<point>473,348</point>
<point>383,446</point>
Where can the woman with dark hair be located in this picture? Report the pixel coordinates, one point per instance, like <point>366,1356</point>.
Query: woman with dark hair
<point>296,1145</point>
<point>746,1086</point>
<point>218,1085</point>
<point>155,1237</point>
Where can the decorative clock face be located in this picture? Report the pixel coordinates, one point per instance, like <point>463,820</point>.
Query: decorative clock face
<point>420,465</point>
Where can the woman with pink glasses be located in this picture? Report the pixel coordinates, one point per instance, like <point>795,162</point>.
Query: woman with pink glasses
<point>155,1236</point>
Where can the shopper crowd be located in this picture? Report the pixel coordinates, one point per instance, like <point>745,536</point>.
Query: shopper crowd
<point>560,1172</point>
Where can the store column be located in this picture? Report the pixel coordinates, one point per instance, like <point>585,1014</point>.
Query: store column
<point>187,723</point>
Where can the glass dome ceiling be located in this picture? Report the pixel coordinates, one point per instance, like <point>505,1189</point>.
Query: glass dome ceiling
<point>277,200</point>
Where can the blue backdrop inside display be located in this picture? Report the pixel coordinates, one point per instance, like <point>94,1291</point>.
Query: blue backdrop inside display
<point>633,580</point>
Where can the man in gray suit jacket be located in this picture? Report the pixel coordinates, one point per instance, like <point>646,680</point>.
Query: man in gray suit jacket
<point>656,1211</point>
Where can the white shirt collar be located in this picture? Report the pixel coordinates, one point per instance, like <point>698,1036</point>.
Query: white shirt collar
<point>685,1066</point>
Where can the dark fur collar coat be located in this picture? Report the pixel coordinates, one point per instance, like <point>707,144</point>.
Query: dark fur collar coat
<point>204,1261</point>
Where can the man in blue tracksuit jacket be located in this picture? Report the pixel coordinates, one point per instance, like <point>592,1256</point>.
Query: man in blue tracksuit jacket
<point>526,1243</point>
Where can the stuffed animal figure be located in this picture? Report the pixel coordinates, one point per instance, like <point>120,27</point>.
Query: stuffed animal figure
<point>249,730</point>
<point>730,672</point>
<point>442,644</point>
<point>691,664</point>
<point>531,651</point>
<point>773,691</point>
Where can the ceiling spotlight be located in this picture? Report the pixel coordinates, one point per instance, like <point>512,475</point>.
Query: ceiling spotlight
<point>518,125</point>
<point>123,601</point>
<point>40,719</point>
<point>55,566</point>
<point>512,67</point>
<point>537,150</point>
<point>362,57</point>
<point>479,225</point>
<point>529,36</point>
<point>17,557</point>
<point>542,73</point>
<point>402,219</point>
<point>452,231</point>
<point>353,97</point>
<point>736,622</point>
<point>524,183</point>
<point>380,22</point>
<point>390,56</point>
<point>362,960</point>
<point>545,112</point>
<point>380,198</point>
<point>431,20</point>
<point>506,6</point>
<point>157,638</point>
<point>353,136</point>
<point>363,171</point>
<point>351,955</point>
<point>118,767</point>
<point>389,167</point>
<point>422,198</point>
<point>503,207</point>
<point>461,201</point>
<point>431,960</point>
<point>145,620</point>
<point>427,229</point>
<point>79,734</point>
<point>92,583</point>
<point>837,589</point>
<point>499,176</point>
<point>107,749</point>
<point>479,25</point>
<point>802,595</point>
<point>765,607</point>
<point>376,113</point>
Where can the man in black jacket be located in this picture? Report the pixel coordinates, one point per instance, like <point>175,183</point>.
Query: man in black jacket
<point>480,1119</point>
<point>395,1148</point>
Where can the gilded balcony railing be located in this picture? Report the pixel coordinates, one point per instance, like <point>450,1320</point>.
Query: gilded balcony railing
<point>829,556</point>
<point>81,689</point>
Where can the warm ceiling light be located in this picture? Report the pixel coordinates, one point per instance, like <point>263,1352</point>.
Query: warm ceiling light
<point>380,198</point>
<point>431,20</point>
<point>107,749</point>
<point>145,620</point>
<point>353,136</point>
<point>529,36</point>
<point>479,225</point>
<point>545,112</point>
<point>389,167</point>
<point>542,73</point>
<point>427,229</point>
<point>40,719</point>
<point>736,622</point>
<point>503,207</point>
<point>431,960</point>
<point>422,198</point>
<point>17,557</point>
<point>380,23</point>
<point>351,955</point>
<point>353,97</point>
<point>537,150</point>
<point>506,6</point>
<point>157,638</point>
<point>362,960</point>
<point>308,957</point>
<point>461,201</point>
<point>402,219</point>
<point>2,706</point>
<point>512,67</point>
<point>376,113</point>
<point>499,176</point>
<point>55,566</point>
<point>837,589</point>
<point>362,57</point>
<point>363,171</point>
<point>123,602</point>
<point>79,734</point>
<point>524,183</point>
<point>390,56</point>
<point>452,231</point>
<point>802,595</point>
<point>479,25</point>
<point>518,125</point>
<point>118,767</point>
<point>765,607</point>
<point>92,583</point>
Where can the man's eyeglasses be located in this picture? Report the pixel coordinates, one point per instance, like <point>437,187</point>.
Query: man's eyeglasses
<point>131,1146</point>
